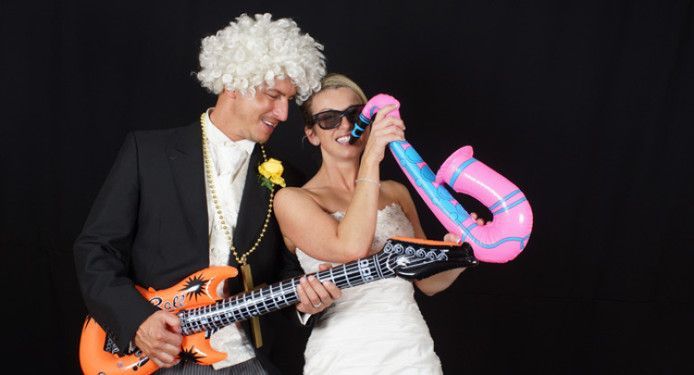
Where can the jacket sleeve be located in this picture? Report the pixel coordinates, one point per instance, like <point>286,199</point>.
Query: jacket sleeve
<point>102,251</point>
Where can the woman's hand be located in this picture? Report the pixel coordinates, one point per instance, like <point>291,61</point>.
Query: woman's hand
<point>314,295</point>
<point>450,237</point>
<point>477,219</point>
<point>384,129</point>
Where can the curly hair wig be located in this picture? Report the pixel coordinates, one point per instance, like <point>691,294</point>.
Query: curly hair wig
<point>251,52</point>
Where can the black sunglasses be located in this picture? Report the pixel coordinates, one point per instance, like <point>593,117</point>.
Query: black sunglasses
<point>330,119</point>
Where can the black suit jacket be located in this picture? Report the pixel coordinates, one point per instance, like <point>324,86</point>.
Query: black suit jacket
<point>149,226</point>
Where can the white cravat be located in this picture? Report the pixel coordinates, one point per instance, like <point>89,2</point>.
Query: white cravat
<point>230,160</point>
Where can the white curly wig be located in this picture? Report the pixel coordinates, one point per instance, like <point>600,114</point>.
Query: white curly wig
<point>250,52</point>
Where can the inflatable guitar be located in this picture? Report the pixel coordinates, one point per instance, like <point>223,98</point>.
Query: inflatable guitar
<point>201,311</point>
<point>498,241</point>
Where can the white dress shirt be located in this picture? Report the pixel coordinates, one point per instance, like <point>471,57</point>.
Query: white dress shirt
<point>230,167</point>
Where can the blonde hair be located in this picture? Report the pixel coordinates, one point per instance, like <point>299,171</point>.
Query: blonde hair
<point>251,52</point>
<point>331,81</point>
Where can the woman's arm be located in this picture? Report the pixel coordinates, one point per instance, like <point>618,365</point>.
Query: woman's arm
<point>304,223</point>
<point>436,283</point>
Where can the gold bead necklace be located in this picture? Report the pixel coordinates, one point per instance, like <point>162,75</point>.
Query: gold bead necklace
<point>218,209</point>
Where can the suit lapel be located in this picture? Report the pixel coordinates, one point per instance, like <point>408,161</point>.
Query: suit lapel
<point>184,153</point>
<point>252,209</point>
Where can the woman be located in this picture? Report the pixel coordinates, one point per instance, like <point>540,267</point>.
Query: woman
<point>346,212</point>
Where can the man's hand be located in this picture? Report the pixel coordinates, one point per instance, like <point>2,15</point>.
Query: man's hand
<point>315,296</point>
<point>159,337</point>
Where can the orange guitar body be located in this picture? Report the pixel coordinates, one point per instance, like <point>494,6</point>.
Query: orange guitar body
<point>198,289</point>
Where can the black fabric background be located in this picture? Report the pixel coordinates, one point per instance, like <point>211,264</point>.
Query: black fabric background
<point>587,106</point>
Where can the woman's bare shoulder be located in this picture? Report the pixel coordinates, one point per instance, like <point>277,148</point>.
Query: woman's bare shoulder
<point>290,194</point>
<point>395,190</point>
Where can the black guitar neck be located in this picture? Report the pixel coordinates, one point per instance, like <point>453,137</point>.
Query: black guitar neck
<point>278,296</point>
<point>398,258</point>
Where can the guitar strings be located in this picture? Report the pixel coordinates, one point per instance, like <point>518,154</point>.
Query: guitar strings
<point>230,310</point>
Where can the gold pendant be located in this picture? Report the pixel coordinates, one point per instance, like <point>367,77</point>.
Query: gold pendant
<point>247,278</point>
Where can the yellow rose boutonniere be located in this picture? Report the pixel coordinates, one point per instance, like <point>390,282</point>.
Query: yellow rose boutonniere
<point>271,173</point>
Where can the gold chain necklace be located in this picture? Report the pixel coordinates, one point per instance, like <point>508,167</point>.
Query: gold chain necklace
<point>218,209</point>
<point>246,275</point>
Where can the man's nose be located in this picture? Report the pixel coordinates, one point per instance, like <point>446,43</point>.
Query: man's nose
<point>281,110</point>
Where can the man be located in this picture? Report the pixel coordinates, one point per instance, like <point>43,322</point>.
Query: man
<point>179,200</point>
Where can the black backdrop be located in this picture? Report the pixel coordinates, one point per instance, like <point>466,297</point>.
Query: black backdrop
<point>587,106</point>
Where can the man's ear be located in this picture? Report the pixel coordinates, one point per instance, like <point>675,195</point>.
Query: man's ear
<point>312,136</point>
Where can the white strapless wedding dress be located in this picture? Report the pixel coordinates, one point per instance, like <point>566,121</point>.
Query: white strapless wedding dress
<point>374,328</point>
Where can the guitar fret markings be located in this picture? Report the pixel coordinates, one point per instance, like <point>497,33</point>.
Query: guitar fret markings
<point>295,294</point>
<point>344,270</point>
<point>201,320</point>
<point>351,280</point>
<point>336,278</point>
<point>183,316</point>
<point>224,310</point>
<point>292,295</point>
<point>247,312</point>
<point>225,321</point>
<point>207,317</point>
<point>267,309</point>
<point>235,311</point>
<point>251,304</point>
<point>245,304</point>
<point>227,314</point>
<point>332,277</point>
<point>192,323</point>
<point>196,325</point>
<point>294,287</point>
<point>282,292</point>
<point>348,273</point>
<point>291,292</point>
<point>255,303</point>
<point>378,269</point>
<point>274,298</point>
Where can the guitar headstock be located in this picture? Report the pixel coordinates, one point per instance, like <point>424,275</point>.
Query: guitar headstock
<point>413,258</point>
